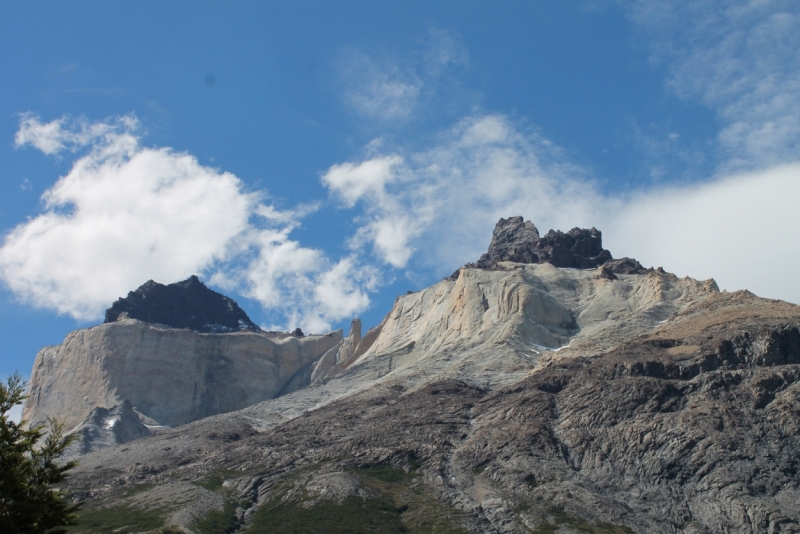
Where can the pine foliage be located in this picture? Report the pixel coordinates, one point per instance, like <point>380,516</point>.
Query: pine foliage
<point>29,502</point>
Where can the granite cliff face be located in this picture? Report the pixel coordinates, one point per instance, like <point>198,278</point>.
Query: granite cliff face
<point>516,396</point>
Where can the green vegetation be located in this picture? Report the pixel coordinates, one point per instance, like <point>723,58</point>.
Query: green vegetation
<point>218,521</point>
<point>385,473</point>
<point>119,520</point>
<point>581,525</point>
<point>29,470</point>
<point>139,488</point>
<point>421,512</point>
<point>125,518</point>
<point>353,516</point>
<point>413,461</point>
<point>215,479</point>
<point>400,504</point>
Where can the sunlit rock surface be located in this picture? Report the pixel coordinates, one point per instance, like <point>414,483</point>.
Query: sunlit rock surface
<point>170,376</point>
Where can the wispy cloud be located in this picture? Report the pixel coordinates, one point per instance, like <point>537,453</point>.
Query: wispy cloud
<point>72,135</point>
<point>742,59</point>
<point>437,201</point>
<point>377,90</point>
<point>391,220</point>
<point>383,86</point>
<point>69,67</point>
<point>125,213</point>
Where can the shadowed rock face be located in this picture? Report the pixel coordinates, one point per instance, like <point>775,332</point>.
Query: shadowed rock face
<point>517,240</point>
<point>187,304</point>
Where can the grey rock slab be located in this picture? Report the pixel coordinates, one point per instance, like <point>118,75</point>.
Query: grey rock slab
<point>170,376</point>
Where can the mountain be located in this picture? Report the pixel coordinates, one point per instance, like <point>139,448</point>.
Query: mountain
<point>146,369</point>
<point>521,394</point>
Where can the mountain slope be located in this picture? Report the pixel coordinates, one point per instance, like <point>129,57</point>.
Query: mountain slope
<point>690,428</point>
<point>510,398</point>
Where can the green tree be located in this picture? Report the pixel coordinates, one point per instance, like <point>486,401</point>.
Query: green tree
<point>28,501</point>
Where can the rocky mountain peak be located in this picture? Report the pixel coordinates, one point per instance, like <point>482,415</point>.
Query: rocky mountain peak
<point>187,304</point>
<point>517,240</point>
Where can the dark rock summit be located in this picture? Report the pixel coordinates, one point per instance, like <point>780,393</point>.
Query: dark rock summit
<point>187,304</point>
<point>625,266</point>
<point>517,240</point>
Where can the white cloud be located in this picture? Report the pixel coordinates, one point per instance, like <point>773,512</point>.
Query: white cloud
<point>340,290</point>
<point>122,213</point>
<point>125,214</point>
<point>740,230</point>
<point>389,223</point>
<point>742,59</point>
<point>351,181</point>
<point>444,202</point>
<point>439,200</point>
<point>63,134</point>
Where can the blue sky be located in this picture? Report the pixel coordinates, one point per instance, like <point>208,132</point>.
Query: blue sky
<point>315,159</point>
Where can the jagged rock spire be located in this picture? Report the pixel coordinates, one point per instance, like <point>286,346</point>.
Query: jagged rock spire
<point>517,240</point>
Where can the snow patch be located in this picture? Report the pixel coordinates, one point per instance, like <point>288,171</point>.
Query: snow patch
<point>218,328</point>
<point>548,349</point>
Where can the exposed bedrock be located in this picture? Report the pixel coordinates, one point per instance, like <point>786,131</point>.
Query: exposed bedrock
<point>602,440</point>
<point>517,240</point>
<point>170,376</point>
<point>489,328</point>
